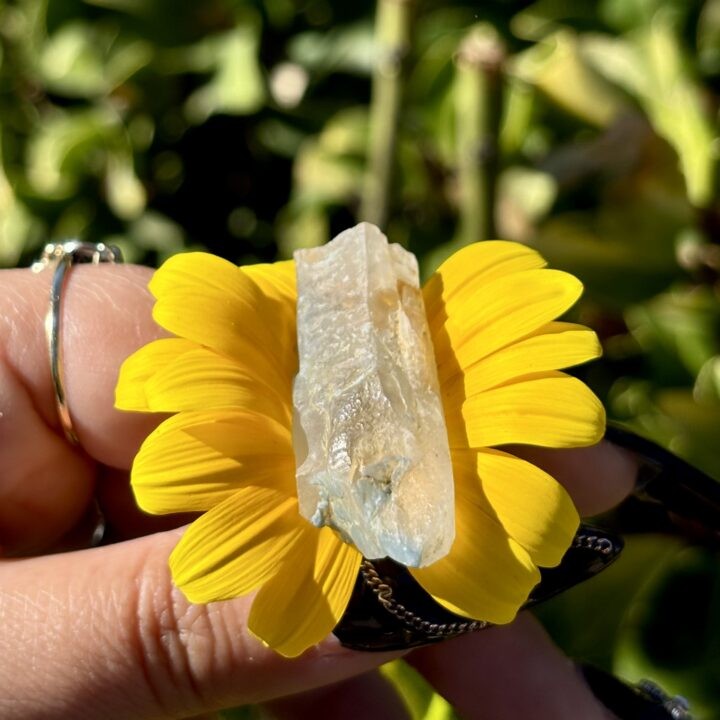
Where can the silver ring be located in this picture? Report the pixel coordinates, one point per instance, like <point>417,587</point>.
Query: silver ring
<point>61,257</point>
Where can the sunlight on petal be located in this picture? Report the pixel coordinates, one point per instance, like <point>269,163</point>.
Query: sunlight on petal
<point>201,380</point>
<point>554,410</point>
<point>499,313</point>
<point>277,283</point>
<point>554,347</point>
<point>529,504</point>
<point>302,604</point>
<point>234,317</point>
<point>276,280</point>
<point>476,264</point>
<point>141,366</point>
<point>486,575</point>
<point>237,546</point>
<point>193,461</point>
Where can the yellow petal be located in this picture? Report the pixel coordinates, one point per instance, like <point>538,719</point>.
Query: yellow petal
<point>213,303</point>
<point>306,599</point>
<point>237,546</point>
<point>274,279</point>
<point>277,283</point>
<point>554,410</point>
<point>141,366</point>
<point>193,461</point>
<point>201,380</point>
<point>473,265</point>
<point>487,575</point>
<point>483,319</point>
<point>529,504</point>
<point>554,347</point>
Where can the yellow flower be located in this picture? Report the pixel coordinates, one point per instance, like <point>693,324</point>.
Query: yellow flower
<point>227,450</point>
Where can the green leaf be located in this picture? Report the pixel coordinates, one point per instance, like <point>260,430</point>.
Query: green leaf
<point>707,383</point>
<point>85,59</point>
<point>76,144</point>
<point>517,118</point>
<point>672,632</point>
<point>525,196</point>
<point>673,418</point>
<point>708,37</point>
<point>124,192</point>
<point>302,225</point>
<point>683,323</point>
<point>649,64</point>
<point>421,701</point>
<point>18,228</point>
<point>630,14</point>
<point>68,145</point>
<point>329,168</point>
<point>346,48</point>
<point>616,264</point>
<point>557,68</point>
<point>694,427</point>
<point>236,86</point>
<point>544,17</point>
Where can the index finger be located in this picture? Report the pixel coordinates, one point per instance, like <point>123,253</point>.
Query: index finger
<point>106,315</point>
<point>45,483</point>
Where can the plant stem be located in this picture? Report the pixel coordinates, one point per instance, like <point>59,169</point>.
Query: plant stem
<point>478,105</point>
<point>392,33</point>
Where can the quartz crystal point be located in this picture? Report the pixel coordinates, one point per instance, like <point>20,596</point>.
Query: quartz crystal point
<point>370,440</point>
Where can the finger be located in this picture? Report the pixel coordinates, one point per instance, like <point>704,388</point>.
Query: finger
<point>106,315</point>
<point>597,477</point>
<point>508,672</point>
<point>45,483</point>
<point>366,696</point>
<point>108,636</point>
<point>123,519</point>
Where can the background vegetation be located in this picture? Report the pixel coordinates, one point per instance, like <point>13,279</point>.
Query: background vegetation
<point>586,129</point>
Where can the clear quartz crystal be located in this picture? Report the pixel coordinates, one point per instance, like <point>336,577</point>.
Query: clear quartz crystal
<point>369,433</point>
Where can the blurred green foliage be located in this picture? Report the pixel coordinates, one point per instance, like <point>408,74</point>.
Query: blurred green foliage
<point>243,127</point>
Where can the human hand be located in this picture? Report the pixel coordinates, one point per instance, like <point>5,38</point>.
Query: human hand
<point>103,632</point>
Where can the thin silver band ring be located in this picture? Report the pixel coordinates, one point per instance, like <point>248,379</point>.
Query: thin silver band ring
<point>61,257</point>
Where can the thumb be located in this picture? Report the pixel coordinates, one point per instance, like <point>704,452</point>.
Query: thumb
<point>105,634</point>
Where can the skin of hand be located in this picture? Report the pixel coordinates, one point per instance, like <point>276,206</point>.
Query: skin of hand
<point>103,633</point>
